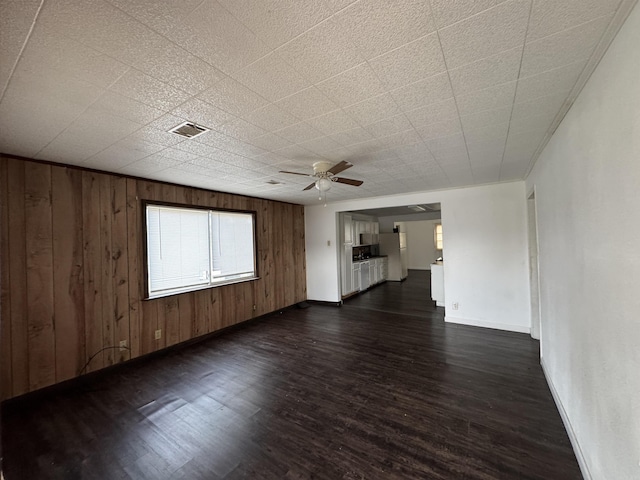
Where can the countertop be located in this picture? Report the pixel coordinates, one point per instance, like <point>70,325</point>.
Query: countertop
<point>370,258</point>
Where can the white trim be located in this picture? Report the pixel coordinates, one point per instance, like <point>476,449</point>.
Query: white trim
<point>485,324</point>
<point>567,425</point>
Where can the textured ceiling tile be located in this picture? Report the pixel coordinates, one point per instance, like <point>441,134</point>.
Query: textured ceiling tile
<point>534,122</point>
<point>352,86</point>
<point>563,48</point>
<point>400,138</point>
<point>173,65</point>
<point>160,16</point>
<point>121,153</point>
<point>50,52</point>
<point>271,117</point>
<point>487,134</point>
<point>307,103</point>
<point>447,12</point>
<point>492,31</point>
<point>333,122</point>
<point>389,126</point>
<point>486,99</point>
<point>154,135</point>
<point>241,129</point>
<point>70,151</point>
<point>416,60</point>
<point>373,109</point>
<point>277,21</point>
<point>321,145</point>
<point>551,16</point>
<point>487,117</point>
<point>213,34</point>
<point>270,142</point>
<point>523,145</point>
<point>542,105</point>
<point>488,72</point>
<point>272,78</point>
<point>353,136</point>
<point>440,129</point>
<point>557,80</point>
<point>322,52</point>
<point>425,92</point>
<point>299,132</point>
<point>513,171</point>
<point>148,90</point>
<point>100,25</point>
<point>113,104</point>
<point>54,102</point>
<point>434,113</point>
<point>440,146</point>
<point>377,26</point>
<point>16,19</point>
<point>233,97</point>
<point>202,113</point>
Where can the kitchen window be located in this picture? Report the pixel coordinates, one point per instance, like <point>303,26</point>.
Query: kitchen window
<point>190,248</point>
<point>437,233</point>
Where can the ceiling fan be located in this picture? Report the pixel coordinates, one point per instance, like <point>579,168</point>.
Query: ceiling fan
<point>325,174</point>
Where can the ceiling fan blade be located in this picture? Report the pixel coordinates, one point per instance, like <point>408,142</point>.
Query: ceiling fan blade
<point>348,181</point>
<point>309,187</point>
<point>339,167</point>
<point>296,173</point>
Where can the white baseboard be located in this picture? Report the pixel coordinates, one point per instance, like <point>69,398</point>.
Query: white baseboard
<point>482,323</point>
<point>567,426</point>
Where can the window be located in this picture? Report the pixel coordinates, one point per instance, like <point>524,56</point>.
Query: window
<point>193,248</point>
<point>437,233</point>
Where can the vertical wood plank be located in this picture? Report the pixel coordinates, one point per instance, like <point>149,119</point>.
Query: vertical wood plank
<point>92,259</point>
<point>120,266</point>
<point>149,310</point>
<point>300,260</point>
<point>66,187</point>
<point>186,312</point>
<point>6,370</point>
<point>18,274</point>
<point>287,254</point>
<point>39,242</point>
<point>201,319</point>
<point>134,259</point>
<point>172,321</point>
<point>108,320</point>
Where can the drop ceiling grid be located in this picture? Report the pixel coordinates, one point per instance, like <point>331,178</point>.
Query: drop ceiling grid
<point>387,91</point>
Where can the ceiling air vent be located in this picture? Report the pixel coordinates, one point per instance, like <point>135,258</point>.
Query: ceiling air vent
<point>275,182</point>
<point>189,130</point>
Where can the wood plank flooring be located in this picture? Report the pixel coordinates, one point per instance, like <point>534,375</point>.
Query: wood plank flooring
<point>378,389</point>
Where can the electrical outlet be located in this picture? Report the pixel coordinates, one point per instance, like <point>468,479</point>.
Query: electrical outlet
<point>158,334</point>
<point>455,305</point>
<point>123,345</point>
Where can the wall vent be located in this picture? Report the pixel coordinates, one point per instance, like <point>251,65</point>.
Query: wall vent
<point>189,130</point>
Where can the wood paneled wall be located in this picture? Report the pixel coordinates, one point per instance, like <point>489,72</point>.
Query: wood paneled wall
<point>72,272</point>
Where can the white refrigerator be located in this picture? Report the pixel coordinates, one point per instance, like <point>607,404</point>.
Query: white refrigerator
<point>394,246</point>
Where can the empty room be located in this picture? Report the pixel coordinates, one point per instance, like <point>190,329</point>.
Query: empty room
<point>331,239</point>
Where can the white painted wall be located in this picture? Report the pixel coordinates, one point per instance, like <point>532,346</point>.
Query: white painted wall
<point>587,188</point>
<point>421,249</point>
<point>486,269</point>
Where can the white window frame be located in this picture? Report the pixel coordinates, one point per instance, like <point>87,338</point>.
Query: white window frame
<point>437,239</point>
<point>211,279</point>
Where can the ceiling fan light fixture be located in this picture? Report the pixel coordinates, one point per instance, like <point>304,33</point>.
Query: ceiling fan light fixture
<point>323,184</point>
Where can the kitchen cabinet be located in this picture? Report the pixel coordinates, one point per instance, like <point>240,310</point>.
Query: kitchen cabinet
<point>356,277</point>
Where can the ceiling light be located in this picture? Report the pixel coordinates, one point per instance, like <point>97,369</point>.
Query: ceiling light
<point>323,184</point>
<point>417,208</point>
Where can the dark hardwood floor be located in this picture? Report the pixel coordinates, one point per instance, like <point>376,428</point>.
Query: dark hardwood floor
<point>378,389</point>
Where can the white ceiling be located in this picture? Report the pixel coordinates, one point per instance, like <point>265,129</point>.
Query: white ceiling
<point>418,95</point>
